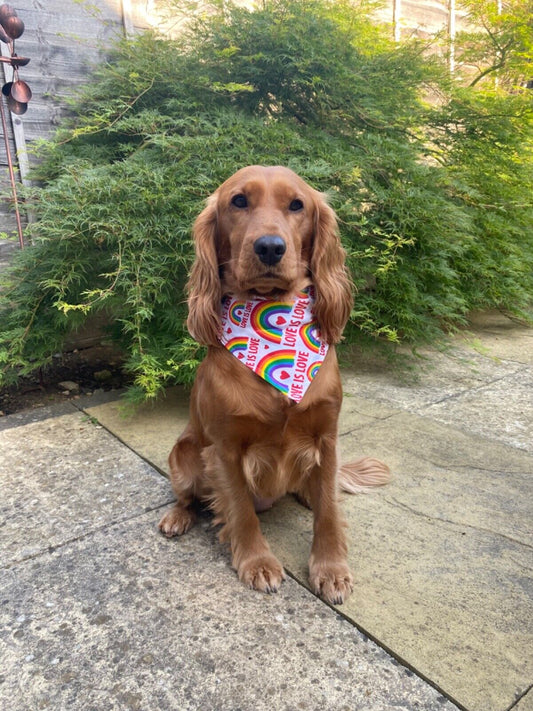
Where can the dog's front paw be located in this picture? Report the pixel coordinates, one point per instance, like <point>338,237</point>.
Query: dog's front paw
<point>262,572</point>
<point>332,581</point>
<point>176,521</point>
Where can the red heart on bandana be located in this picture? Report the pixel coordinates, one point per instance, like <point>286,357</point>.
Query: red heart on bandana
<point>240,355</point>
<point>280,320</point>
<point>229,330</point>
<point>284,375</point>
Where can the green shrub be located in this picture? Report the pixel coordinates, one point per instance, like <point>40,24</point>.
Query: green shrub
<point>434,201</point>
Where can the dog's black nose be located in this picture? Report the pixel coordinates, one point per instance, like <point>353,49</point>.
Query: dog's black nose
<point>270,249</point>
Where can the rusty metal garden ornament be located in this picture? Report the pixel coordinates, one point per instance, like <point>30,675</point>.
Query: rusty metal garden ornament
<point>11,28</point>
<point>16,91</point>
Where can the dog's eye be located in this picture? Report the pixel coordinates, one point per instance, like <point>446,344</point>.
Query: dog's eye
<point>239,201</point>
<point>296,205</point>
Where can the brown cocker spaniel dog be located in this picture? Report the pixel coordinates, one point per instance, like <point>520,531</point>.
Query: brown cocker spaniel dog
<point>267,250</point>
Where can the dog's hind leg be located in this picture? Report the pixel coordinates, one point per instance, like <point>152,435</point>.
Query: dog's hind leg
<point>185,476</point>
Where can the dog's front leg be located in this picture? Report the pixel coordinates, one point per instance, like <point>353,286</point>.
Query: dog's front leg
<point>256,565</point>
<point>329,574</point>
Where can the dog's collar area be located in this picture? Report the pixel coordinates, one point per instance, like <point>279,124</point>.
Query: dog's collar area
<point>278,339</point>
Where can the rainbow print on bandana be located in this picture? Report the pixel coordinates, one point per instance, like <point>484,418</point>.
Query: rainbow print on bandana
<point>275,368</point>
<point>309,334</point>
<point>277,340</point>
<point>269,318</point>
<point>313,370</point>
<point>235,312</point>
<point>236,345</point>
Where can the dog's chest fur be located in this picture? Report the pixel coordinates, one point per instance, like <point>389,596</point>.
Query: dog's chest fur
<point>276,442</point>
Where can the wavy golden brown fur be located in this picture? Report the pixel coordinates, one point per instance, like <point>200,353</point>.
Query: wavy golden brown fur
<point>246,443</point>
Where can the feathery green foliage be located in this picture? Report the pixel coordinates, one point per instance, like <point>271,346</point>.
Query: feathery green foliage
<point>434,199</point>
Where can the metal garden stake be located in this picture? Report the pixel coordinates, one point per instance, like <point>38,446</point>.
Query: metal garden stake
<point>17,93</point>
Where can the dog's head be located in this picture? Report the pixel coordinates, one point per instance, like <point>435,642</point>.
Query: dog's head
<point>266,232</point>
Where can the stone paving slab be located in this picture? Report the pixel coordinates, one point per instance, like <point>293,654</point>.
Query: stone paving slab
<point>498,336</point>
<point>152,429</point>
<point>101,611</point>
<point>451,552</point>
<point>510,423</point>
<point>449,475</point>
<point>63,477</point>
<point>441,555</point>
<point>38,414</point>
<point>442,566</point>
<point>123,619</point>
<point>462,388</point>
<point>432,377</point>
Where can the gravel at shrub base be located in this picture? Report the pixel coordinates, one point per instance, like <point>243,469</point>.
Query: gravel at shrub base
<point>69,376</point>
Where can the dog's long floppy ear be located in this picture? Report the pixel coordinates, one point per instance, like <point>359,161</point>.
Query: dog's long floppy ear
<point>333,286</point>
<point>204,289</point>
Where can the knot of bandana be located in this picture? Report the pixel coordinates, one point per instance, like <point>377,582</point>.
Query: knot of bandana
<point>278,340</point>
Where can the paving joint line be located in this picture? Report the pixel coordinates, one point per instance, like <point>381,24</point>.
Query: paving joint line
<point>82,536</point>
<point>398,504</point>
<point>519,698</point>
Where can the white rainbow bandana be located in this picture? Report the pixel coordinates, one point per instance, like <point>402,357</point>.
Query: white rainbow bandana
<point>278,340</point>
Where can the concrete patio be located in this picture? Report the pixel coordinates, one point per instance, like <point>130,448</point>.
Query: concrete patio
<point>99,611</point>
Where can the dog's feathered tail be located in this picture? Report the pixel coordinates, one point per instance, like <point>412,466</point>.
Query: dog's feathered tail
<point>362,475</point>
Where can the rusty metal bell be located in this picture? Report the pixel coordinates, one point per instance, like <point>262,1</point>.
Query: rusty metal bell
<point>21,91</point>
<point>13,26</point>
<point>7,11</point>
<point>17,61</point>
<point>16,107</point>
